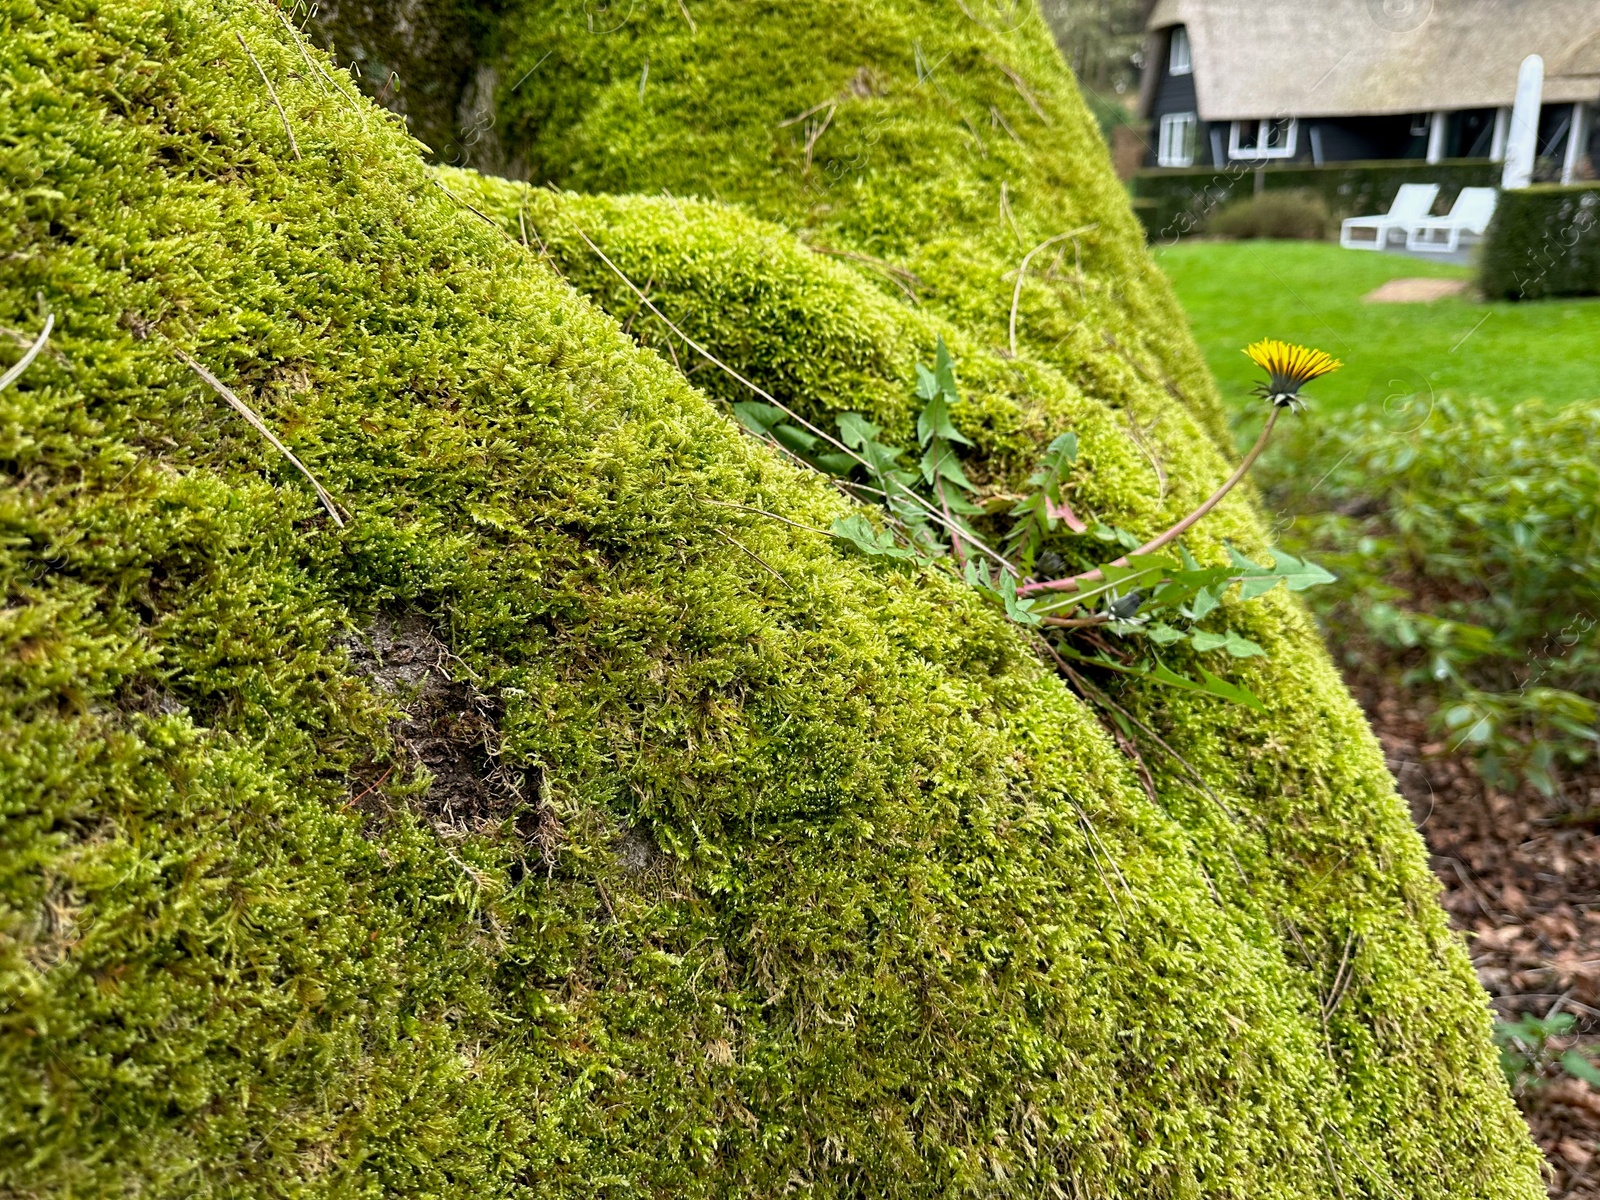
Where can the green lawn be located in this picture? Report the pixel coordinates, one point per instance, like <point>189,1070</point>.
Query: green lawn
<point>1311,293</point>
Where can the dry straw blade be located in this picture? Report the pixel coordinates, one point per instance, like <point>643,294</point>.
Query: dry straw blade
<point>248,414</point>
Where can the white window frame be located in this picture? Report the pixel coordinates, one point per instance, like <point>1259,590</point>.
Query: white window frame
<point>1180,54</point>
<point>1291,142</point>
<point>1180,136</point>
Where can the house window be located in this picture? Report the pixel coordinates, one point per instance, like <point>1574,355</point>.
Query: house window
<point>1178,136</point>
<point>1274,137</point>
<point>1179,61</point>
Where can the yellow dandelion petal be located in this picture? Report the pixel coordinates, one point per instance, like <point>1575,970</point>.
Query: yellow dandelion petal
<point>1289,368</point>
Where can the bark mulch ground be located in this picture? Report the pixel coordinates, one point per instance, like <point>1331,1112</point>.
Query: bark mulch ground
<point>1521,877</point>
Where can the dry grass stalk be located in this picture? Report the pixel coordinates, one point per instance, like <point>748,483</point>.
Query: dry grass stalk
<point>903,279</point>
<point>764,513</point>
<point>1023,90</point>
<point>771,570</point>
<point>294,146</point>
<point>260,426</point>
<point>927,508</point>
<point>815,130</point>
<point>1022,271</point>
<point>23,363</point>
<point>310,62</point>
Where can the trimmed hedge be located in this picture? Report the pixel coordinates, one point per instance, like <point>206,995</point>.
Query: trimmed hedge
<point>1178,203</point>
<point>1545,241</point>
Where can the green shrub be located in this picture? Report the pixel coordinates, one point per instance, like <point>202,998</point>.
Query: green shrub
<point>1184,200</point>
<point>1544,241</point>
<point>1294,215</point>
<point>1469,550</point>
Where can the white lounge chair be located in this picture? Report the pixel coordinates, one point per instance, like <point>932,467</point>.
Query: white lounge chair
<point>1471,213</point>
<point>1412,203</point>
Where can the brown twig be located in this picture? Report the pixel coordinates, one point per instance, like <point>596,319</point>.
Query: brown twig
<point>1171,535</point>
<point>260,427</point>
<point>1077,622</point>
<point>370,788</point>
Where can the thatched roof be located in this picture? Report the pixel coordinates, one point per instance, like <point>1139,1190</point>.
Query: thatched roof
<point>1260,58</point>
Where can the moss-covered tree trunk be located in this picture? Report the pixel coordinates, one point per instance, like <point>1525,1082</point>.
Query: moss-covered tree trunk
<point>543,825</point>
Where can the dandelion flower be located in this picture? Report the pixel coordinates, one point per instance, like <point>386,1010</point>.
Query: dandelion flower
<point>1289,369</point>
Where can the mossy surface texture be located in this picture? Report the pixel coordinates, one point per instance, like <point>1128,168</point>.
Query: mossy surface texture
<point>944,142</point>
<point>791,874</point>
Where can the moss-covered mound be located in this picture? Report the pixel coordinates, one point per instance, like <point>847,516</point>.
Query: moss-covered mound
<point>939,137</point>
<point>547,827</point>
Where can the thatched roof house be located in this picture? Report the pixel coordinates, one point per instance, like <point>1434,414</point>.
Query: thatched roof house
<point>1260,80</point>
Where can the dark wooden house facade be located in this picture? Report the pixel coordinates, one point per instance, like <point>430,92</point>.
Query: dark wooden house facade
<point>1251,82</point>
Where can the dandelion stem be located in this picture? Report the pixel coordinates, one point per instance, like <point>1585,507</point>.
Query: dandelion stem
<point>1171,535</point>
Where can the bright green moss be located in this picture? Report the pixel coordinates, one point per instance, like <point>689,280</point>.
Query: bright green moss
<point>949,146</point>
<point>821,883</point>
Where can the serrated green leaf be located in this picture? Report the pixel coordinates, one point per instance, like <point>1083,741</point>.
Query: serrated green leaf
<point>1255,585</point>
<point>957,503</point>
<point>757,417</point>
<point>792,437</point>
<point>856,431</point>
<point>1162,634</point>
<point>944,369</point>
<point>1228,691</point>
<point>1574,1063</point>
<point>1299,574</point>
<point>1020,611</point>
<point>934,421</point>
<point>1241,561</point>
<point>1063,450</point>
<point>1242,647</point>
<point>1205,641</point>
<point>874,543</point>
<point>940,462</point>
<point>1205,600</point>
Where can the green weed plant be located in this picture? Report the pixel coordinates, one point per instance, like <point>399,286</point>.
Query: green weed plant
<point>1468,550</point>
